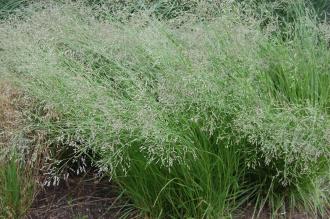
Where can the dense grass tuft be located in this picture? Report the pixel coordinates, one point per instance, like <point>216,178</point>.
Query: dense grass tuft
<point>193,113</point>
<point>17,188</point>
<point>207,185</point>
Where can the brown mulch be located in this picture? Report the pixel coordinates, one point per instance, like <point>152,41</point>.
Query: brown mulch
<point>79,197</point>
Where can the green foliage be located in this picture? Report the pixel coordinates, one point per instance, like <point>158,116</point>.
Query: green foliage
<point>9,6</point>
<point>205,186</point>
<point>192,120</point>
<point>290,10</point>
<point>160,9</point>
<point>16,188</point>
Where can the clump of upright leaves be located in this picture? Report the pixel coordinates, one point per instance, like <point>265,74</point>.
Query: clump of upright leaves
<point>17,187</point>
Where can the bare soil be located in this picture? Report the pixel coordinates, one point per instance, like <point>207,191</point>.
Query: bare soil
<point>80,197</point>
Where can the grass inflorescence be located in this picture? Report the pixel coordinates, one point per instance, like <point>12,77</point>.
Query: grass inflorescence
<point>194,111</point>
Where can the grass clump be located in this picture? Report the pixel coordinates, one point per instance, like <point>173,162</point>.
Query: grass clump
<point>191,120</point>
<point>18,156</point>
<point>17,188</point>
<point>205,186</point>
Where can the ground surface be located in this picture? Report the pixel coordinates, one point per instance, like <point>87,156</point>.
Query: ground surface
<point>78,198</point>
